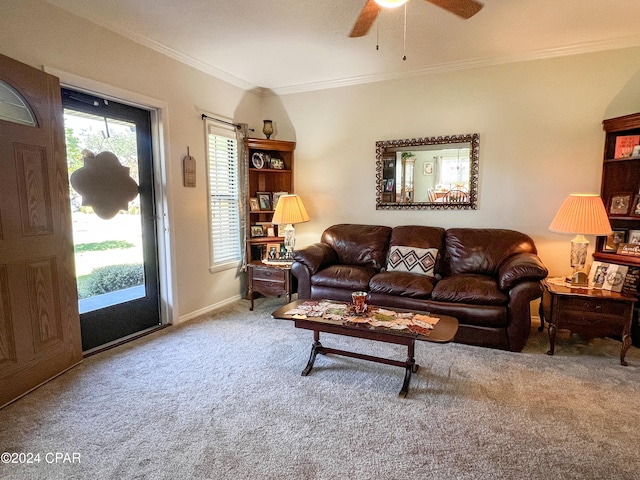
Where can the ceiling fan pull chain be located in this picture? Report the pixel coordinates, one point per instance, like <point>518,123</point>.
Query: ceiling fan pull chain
<point>404,35</point>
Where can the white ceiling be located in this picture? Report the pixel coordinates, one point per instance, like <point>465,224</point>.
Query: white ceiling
<point>296,45</point>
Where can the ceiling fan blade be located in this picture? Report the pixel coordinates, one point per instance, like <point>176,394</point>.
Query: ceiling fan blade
<point>462,8</point>
<point>366,19</point>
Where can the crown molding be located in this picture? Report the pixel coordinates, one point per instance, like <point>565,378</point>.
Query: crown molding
<point>581,48</point>
<point>183,58</point>
<point>565,51</point>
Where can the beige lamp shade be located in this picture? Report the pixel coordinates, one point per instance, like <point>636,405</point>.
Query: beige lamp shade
<point>582,214</point>
<point>290,210</point>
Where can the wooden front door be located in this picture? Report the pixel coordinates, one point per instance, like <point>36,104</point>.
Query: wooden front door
<point>39,323</point>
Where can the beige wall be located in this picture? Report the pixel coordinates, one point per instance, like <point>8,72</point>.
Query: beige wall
<point>539,124</point>
<point>38,34</point>
<point>540,139</point>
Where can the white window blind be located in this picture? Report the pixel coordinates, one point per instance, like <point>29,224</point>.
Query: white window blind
<point>224,213</point>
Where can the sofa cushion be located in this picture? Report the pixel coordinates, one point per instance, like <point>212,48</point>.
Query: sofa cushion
<point>482,251</point>
<point>402,284</point>
<point>350,277</point>
<point>469,288</point>
<point>365,245</point>
<point>420,236</point>
<point>421,261</point>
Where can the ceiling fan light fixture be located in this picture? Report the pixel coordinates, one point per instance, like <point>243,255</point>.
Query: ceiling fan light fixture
<point>391,3</point>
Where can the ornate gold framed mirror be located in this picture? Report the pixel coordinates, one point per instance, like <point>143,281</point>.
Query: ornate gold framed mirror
<point>435,173</point>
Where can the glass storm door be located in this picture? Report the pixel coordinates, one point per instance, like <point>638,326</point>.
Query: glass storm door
<point>116,258</point>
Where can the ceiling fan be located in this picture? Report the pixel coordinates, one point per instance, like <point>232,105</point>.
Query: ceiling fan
<point>462,8</point>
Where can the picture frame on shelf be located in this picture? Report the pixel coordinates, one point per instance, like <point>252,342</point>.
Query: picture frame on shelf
<point>271,232</point>
<point>620,204</point>
<point>636,151</point>
<point>614,239</point>
<point>254,205</point>
<point>277,163</point>
<point>634,237</point>
<point>264,200</point>
<point>635,207</point>
<point>276,197</point>
<point>257,231</point>
<point>257,160</point>
<point>272,251</point>
<point>281,230</point>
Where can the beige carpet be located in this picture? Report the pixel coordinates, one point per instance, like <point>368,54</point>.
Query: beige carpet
<point>222,398</point>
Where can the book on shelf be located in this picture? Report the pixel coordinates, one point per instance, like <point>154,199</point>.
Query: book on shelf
<point>625,144</point>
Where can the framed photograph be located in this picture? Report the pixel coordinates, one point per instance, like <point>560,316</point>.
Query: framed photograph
<point>389,184</point>
<point>598,274</point>
<point>257,231</point>
<point>614,240</point>
<point>634,237</point>
<point>428,168</point>
<point>271,232</point>
<point>620,204</point>
<point>276,197</point>
<point>277,163</point>
<point>636,151</point>
<point>264,200</point>
<point>257,160</point>
<point>635,207</point>
<point>273,251</point>
<point>253,204</point>
<point>281,230</point>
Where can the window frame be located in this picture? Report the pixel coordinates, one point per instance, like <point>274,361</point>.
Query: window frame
<point>212,130</point>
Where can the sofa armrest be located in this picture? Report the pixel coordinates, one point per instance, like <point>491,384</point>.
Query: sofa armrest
<point>519,268</point>
<point>316,256</point>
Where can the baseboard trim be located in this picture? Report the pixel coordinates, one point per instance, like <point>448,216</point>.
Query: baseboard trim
<point>209,309</point>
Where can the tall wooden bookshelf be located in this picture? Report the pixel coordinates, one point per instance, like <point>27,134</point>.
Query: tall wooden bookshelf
<point>621,181</point>
<point>270,165</point>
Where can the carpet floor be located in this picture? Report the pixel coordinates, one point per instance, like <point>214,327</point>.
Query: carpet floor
<point>221,397</point>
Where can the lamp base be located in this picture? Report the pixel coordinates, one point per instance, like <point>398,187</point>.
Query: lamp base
<point>579,247</point>
<point>289,240</point>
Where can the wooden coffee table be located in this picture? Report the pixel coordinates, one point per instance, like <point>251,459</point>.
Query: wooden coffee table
<point>444,331</point>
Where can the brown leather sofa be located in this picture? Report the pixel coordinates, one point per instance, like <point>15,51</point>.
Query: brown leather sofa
<point>486,278</point>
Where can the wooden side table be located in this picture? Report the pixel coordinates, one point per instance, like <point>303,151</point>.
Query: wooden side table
<point>589,312</point>
<point>269,280</point>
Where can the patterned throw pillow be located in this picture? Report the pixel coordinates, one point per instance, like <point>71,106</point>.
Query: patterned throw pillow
<point>414,260</point>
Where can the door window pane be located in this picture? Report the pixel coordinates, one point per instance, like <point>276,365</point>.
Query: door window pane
<point>14,108</point>
<point>108,253</point>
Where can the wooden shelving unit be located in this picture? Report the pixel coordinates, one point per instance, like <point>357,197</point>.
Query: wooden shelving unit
<point>269,180</point>
<point>619,176</point>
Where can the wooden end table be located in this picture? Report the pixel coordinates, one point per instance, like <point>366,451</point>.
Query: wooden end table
<point>589,312</point>
<point>270,280</point>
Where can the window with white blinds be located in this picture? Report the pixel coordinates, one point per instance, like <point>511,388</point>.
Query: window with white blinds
<point>224,212</point>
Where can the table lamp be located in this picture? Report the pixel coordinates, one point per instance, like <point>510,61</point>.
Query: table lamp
<point>289,210</point>
<point>581,214</point>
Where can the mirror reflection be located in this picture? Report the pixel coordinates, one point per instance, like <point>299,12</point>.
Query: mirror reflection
<point>427,173</point>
